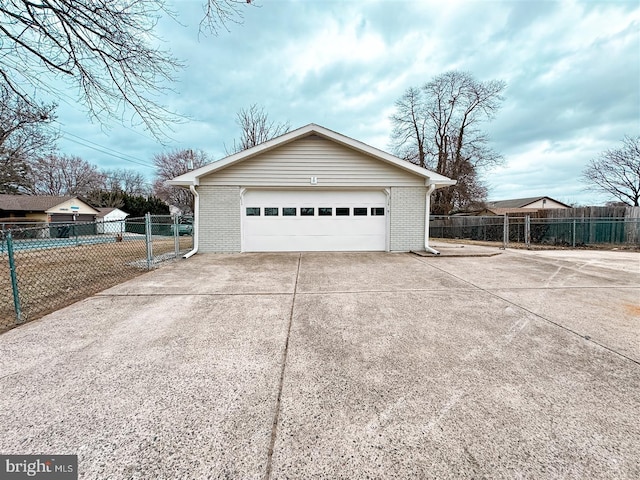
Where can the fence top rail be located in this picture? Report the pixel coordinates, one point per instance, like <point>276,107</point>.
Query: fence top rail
<point>542,219</point>
<point>22,226</point>
<point>18,227</point>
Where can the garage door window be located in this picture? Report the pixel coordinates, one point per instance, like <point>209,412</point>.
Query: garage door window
<point>342,211</point>
<point>325,211</point>
<point>289,211</point>
<point>253,211</point>
<point>270,211</point>
<point>377,211</point>
<point>307,211</point>
<point>360,211</point>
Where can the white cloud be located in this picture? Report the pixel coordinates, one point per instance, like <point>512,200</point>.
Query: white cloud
<point>572,70</point>
<point>337,41</point>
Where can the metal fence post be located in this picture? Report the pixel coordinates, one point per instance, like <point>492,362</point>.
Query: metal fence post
<point>527,231</point>
<point>176,235</point>
<point>573,234</point>
<point>505,232</point>
<point>14,279</point>
<point>149,240</point>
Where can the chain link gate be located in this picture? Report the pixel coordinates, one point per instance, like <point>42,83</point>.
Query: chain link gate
<point>45,266</point>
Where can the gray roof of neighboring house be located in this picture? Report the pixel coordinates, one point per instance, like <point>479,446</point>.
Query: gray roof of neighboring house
<point>104,211</point>
<point>30,203</point>
<point>502,211</point>
<point>518,202</point>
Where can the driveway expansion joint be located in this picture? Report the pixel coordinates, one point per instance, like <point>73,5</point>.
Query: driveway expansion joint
<point>537,315</point>
<point>276,415</point>
<point>212,294</point>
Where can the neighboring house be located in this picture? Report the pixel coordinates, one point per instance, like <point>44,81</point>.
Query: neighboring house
<point>41,208</point>
<point>311,189</point>
<point>110,220</point>
<point>521,205</point>
<point>57,212</point>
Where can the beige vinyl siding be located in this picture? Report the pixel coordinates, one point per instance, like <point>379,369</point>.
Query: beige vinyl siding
<point>293,164</point>
<point>65,207</point>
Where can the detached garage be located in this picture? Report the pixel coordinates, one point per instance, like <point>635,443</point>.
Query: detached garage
<point>311,190</point>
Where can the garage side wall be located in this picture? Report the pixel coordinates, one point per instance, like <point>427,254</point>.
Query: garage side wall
<point>407,208</point>
<point>219,219</point>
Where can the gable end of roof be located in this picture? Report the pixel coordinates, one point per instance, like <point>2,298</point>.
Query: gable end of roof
<point>193,177</point>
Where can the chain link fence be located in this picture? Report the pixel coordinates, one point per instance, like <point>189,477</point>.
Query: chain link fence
<point>566,232</point>
<point>46,266</point>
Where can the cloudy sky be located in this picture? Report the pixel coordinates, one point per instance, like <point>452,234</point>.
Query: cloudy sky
<point>572,70</point>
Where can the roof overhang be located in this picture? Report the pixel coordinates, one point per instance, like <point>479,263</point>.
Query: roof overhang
<point>193,177</point>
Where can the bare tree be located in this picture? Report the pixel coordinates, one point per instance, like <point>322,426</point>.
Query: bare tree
<point>106,49</point>
<point>119,184</point>
<point>126,181</point>
<point>25,132</point>
<point>410,127</point>
<point>256,128</point>
<point>64,175</point>
<point>437,127</point>
<point>617,172</point>
<point>219,14</point>
<point>170,165</point>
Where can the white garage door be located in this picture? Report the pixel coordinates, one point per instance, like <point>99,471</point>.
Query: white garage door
<point>289,221</point>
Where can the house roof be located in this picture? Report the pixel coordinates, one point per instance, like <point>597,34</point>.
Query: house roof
<point>30,203</point>
<point>193,177</point>
<point>33,203</point>
<point>519,202</point>
<point>104,211</point>
<point>502,211</point>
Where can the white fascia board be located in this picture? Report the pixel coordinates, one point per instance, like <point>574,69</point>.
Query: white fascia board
<point>193,177</point>
<point>439,181</point>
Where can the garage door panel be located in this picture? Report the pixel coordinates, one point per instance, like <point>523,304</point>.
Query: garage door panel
<point>314,233</point>
<point>313,243</point>
<point>313,227</point>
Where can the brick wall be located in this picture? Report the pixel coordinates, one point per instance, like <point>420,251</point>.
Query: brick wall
<point>407,205</point>
<point>219,219</point>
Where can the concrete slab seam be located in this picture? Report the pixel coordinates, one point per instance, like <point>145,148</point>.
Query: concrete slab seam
<point>560,287</point>
<point>276,415</point>
<point>214,294</point>
<point>403,290</point>
<point>583,337</point>
<point>462,255</point>
<point>548,320</point>
<point>472,289</point>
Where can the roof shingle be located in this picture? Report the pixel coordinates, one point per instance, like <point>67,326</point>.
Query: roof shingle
<point>30,203</point>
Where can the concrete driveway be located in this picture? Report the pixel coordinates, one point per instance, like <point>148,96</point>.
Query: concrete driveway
<point>339,365</point>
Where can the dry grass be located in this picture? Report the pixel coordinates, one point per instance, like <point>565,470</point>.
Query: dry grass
<point>54,278</point>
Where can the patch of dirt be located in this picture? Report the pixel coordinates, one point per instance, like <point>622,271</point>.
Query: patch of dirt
<point>633,309</point>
